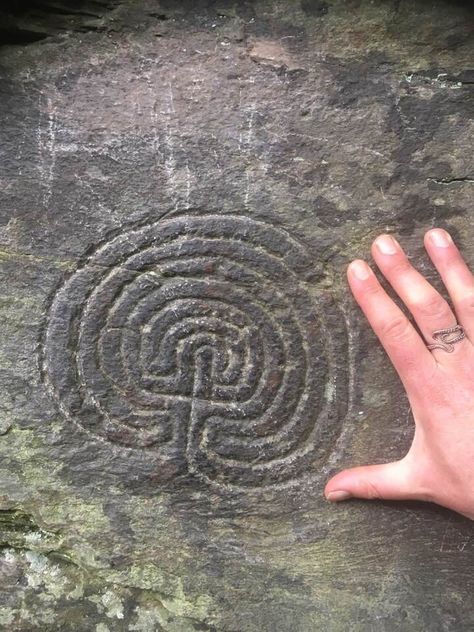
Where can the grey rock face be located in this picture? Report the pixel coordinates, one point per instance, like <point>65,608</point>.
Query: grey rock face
<point>181,364</point>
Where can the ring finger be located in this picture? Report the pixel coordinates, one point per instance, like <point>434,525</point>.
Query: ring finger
<point>456,276</point>
<point>430,310</point>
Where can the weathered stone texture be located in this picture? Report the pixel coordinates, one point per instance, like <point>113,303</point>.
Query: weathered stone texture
<point>181,366</point>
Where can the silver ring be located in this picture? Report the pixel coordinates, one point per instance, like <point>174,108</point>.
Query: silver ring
<point>446,338</point>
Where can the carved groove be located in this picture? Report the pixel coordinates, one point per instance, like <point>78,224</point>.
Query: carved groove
<point>198,337</point>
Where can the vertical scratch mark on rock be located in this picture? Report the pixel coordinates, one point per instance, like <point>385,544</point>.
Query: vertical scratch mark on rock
<point>170,162</point>
<point>240,109</point>
<point>247,188</point>
<point>171,97</point>
<point>179,176</point>
<point>39,139</point>
<point>351,385</point>
<point>154,118</point>
<point>216,155</point>
<point>351,352</point>
<point>463,545</point>
<point>154,127</point>
<point>250,126</point>
<point>445,534</point>
<point>21,144</point>
<point>46,146</point>
<point>188,186</point>
<point>248,151</point>
<point>51,145</point>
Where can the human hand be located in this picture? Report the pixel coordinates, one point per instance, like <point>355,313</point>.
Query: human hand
<point>439,466</point>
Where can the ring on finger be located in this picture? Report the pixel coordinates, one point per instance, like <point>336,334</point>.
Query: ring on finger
<point>445,339</point>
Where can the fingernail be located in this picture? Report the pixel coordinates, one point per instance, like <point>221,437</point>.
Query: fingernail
<point>360,270</point>
<point>440,238</point>
<point>387,245</point>
<point>335,497</point>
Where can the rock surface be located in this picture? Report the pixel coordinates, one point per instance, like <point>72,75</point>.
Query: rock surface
<point>181,367</point>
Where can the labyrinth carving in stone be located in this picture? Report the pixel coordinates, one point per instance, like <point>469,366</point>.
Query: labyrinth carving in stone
<point>200,337</point>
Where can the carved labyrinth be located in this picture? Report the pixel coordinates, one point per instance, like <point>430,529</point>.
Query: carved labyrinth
<point>197,337</point>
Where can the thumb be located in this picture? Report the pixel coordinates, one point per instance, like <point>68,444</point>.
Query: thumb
<point>389,481</point>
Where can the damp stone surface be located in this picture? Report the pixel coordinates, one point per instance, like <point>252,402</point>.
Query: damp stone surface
<point>181,364</point>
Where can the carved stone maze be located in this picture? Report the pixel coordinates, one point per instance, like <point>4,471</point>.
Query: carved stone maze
<point>200,338</point>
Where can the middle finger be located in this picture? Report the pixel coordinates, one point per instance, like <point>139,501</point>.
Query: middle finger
<point>430,310</point>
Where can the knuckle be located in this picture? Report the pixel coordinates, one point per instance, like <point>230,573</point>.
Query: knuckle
<point>466,302</point>
<point>400,266</point>
<point>396,329</point>
<point>373,289</point>
<point>434,306</point>
<point>371,490</point>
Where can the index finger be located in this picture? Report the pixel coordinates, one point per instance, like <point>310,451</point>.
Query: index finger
<point>401,341</point>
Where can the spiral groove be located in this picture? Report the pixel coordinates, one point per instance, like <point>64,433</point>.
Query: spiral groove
<point>197,337</point>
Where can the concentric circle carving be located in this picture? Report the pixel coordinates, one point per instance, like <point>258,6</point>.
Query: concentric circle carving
<point>202,338</point>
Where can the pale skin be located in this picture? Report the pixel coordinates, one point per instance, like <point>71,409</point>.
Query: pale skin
<point>439,466</point>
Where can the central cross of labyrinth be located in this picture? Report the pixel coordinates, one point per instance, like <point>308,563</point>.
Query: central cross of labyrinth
<point>197,337</point>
